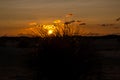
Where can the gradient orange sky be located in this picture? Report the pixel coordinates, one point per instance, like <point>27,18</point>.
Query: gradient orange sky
<point>16,14</point>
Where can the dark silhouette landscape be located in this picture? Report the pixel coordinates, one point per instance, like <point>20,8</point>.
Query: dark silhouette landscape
<point>58,58</point>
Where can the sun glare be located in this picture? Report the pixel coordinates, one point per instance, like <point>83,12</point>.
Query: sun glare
<point>50,28</point>
<point>50,32</point>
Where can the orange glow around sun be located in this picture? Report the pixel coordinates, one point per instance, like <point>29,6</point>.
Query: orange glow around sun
<point>41,30</point>
<point>49,28</point>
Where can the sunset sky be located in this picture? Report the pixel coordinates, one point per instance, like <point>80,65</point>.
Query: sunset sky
<point>15,15</point>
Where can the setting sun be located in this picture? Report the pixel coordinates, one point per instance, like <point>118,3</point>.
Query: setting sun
<point>49,28</point>
<point>50,32</point>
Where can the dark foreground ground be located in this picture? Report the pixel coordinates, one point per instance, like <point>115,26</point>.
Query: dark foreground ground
<point>68,58</point>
